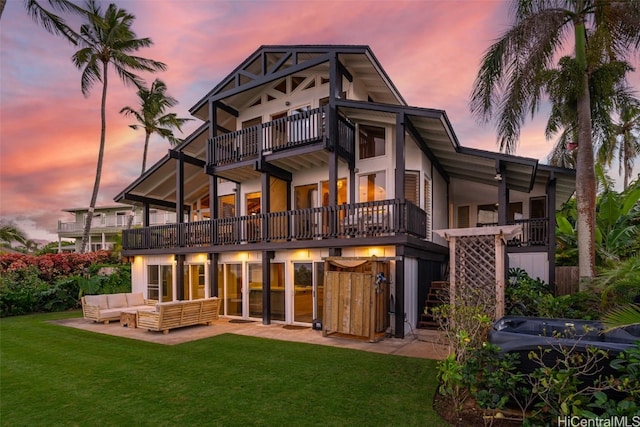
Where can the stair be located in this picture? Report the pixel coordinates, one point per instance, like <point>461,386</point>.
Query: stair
<point>438,294</point>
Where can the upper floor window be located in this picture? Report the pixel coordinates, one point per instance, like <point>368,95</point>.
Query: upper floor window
<point>371,141</point>
<point>372,187</point>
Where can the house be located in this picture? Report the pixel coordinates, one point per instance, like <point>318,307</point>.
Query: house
<point>106,226</point>
<point>308,160</point>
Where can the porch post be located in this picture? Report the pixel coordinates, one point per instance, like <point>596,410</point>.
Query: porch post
<point>146,221</point>
<point>179,277</point>
<point>399,292</point>
<point>503,194</point>
<point>180,197</point>
<point>213,275</point>
<point>265,205</point>
<point>267,256</point>
<point>400,160</point>
<point>551,230</point>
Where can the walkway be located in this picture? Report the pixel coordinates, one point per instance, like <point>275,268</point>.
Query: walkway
<point>423,343</point>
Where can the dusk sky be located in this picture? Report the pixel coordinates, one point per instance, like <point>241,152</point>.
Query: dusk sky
<point>49,132</point>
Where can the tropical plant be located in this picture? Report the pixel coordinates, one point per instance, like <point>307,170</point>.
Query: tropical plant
<point>107,38</point>
<point>625,140</point>
<point>9,234</point>
<point>152,116</point>
<point>509,80</point>
<point>51,22</point>
<point>617,228</point>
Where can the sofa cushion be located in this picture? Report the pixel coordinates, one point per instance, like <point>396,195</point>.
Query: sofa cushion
<point>116,300</point>
<point>99,300</point>
<point>135,298</point>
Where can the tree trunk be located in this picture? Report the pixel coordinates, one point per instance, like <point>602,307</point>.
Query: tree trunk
<point>96,184</point>
<point>147,134</point>
<point>585,171</point>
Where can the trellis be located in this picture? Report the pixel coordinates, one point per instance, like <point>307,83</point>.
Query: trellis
<point>477,261</point>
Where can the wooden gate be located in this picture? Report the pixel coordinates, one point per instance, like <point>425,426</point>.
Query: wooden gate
<point>356,304</point>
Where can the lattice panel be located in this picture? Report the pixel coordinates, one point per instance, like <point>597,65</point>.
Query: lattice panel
<point>475,271</point>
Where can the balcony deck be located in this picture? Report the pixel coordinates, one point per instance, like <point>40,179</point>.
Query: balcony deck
<point>535,232</point>
<point>359,220</point>
<point>287,133</point>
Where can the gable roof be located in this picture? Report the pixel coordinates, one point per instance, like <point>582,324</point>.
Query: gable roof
<point>270,63</point>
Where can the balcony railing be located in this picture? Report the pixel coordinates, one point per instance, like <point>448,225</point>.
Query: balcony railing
<point>116,222</point>
<point>380,218</point>
<point>535,232</point>
<point>284,133</point>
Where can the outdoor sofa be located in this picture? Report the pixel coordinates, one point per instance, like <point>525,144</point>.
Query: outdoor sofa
<point>107,307</point>
<point>175,314</point>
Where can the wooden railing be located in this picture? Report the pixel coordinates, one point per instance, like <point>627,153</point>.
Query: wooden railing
<point>380,218</point>
<point>535,232</point>
<point>284,133</point>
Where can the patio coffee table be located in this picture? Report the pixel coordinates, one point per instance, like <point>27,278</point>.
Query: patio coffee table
<point>128,319</point>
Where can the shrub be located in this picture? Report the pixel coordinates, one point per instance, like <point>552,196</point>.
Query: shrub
<point>55,282</point>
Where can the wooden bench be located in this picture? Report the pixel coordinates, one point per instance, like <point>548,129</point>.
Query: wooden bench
<point>176,314</point>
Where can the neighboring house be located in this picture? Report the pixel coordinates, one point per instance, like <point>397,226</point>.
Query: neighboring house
<point>106,226</point>
<point>309,159</point>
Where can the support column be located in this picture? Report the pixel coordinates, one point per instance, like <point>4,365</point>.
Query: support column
<point>399,293</point>
<point>180,277</point>
<point>213,275</point>
<point>180,198</point>
<point>267,256</point>
<point>400,157</point>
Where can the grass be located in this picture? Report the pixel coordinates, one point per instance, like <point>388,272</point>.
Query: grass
<point>52,375</point>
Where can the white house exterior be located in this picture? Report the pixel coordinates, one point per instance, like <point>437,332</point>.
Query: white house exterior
<point>308,155</point>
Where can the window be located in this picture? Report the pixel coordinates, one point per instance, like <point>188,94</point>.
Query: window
<point>227,206</point>
<point>463,216</point>
<point>160,277</point>
<point>412,187</point>
<point>121,219</point>
<point>428,207</point>
<point>488,214</point>
<point>371,141</point>
<point>372,187</point>
<point>153,282</point>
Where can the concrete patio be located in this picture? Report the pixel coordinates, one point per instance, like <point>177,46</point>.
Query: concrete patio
<point>423,343</point>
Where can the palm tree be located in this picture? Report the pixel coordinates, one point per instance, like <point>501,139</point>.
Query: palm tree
<point>51,22</point>
<point>509,80</point>
<point>10,233</point>
<point>625,140</point>
<point>108,39</point>
<point>152,117</point>
<point>607,89</point>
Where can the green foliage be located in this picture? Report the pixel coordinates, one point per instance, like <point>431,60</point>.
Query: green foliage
<point>627,383</point>
<point>490,378</point>
<point>55,282</point>
<point>523,295</point>
<point>617,231</point>
<point>533,297</point>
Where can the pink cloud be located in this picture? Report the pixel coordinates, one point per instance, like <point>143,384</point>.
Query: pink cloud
<point>50,131</point>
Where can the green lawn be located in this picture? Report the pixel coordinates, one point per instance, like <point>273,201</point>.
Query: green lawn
<point>52,375</point>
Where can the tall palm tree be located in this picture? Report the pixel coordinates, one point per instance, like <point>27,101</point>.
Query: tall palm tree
<point>607,88</point>
<point>625,140</point>
<point>10,233</point>
<point>108,39</point>
<point>152,117</point>
<point>508,80</point>
<point>51,22</point>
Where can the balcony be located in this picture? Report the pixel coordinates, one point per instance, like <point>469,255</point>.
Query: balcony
<point>286,133</point>
<point>535,232</point>
<point>371,219</point>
